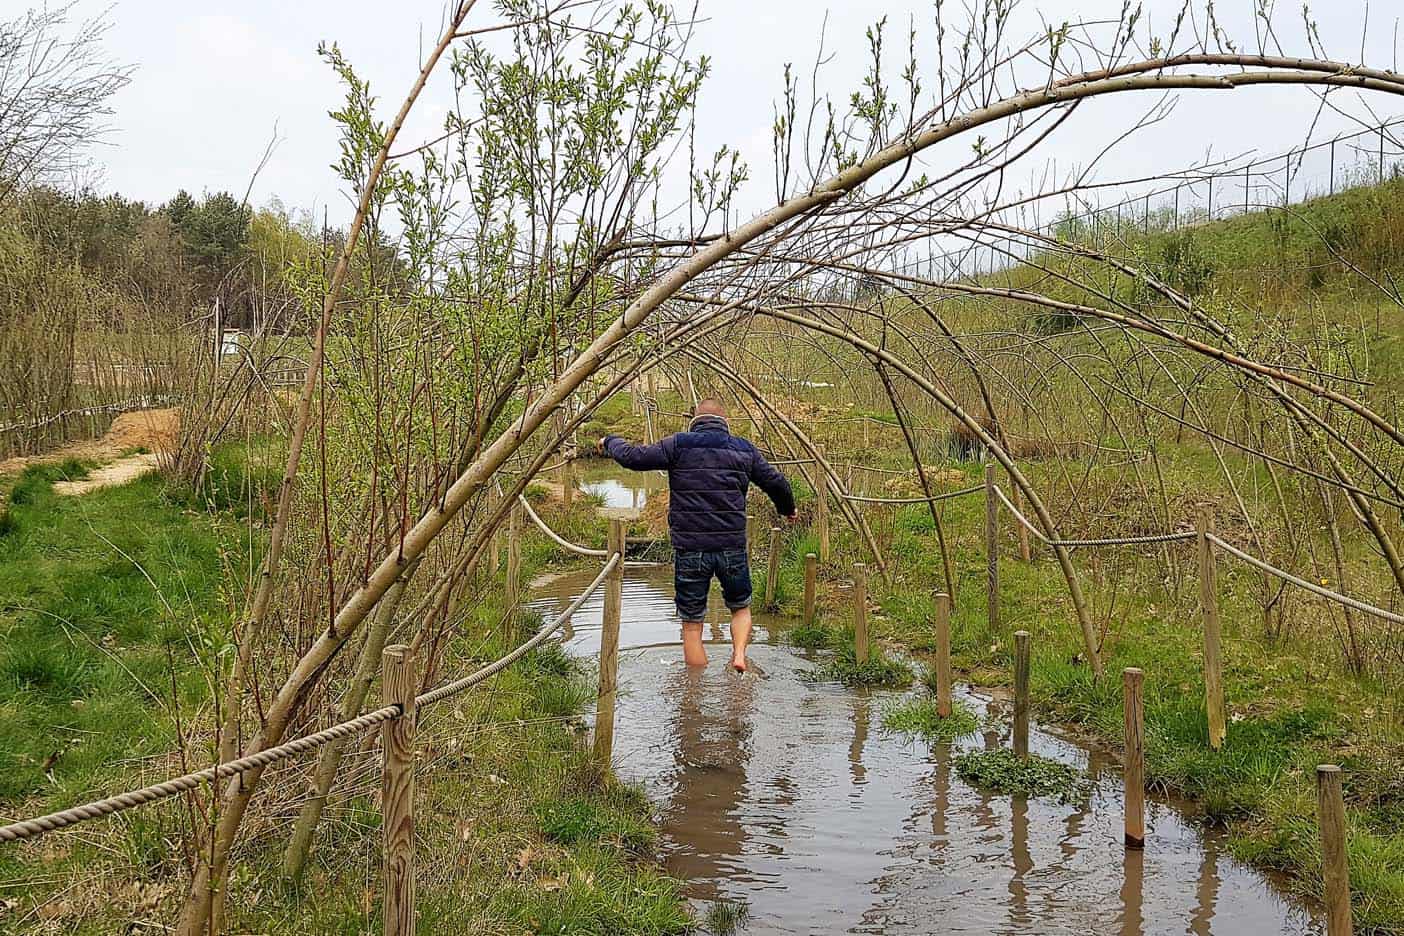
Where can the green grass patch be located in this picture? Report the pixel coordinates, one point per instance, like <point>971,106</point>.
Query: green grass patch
<point>879,672</point>
<point>814,635</point>
<point>725,917</point>
<point>1002,771</point>
<point>918,716</point>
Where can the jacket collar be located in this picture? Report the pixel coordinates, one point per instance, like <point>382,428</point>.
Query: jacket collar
<point>707,422</point>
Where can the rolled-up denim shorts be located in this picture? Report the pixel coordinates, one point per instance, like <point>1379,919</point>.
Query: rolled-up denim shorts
<point>692,579</point>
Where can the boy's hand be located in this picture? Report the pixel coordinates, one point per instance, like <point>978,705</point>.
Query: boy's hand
<point>600,445</point>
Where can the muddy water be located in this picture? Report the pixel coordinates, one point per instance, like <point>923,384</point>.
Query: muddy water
<point>618,488</point>
<point>790,796</point>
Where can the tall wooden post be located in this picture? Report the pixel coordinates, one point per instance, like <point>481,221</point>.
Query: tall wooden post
<point>1209,604</point>
<point>1025,553</point>
<point>1021,693</point>
<point>860,613</point>
<point>943,655</point>
<point>1135,760</point>
<point>514,555</point>
<point>991,548</point>
<point>567,483</point>
<point>772,568</point>
<point>1335,866</point>
<point>609,648</point>
<point>811,586</point>
<point>821,494</point>
<point>398,686</point>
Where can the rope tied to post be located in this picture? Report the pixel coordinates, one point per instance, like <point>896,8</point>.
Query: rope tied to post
<point>1075,543</point>
<point>30,828</point>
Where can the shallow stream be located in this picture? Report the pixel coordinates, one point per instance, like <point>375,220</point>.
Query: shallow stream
<point>789,795</point>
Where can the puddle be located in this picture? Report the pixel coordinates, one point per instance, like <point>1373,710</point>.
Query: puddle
<point>790,796</point>
<point>618,487</point>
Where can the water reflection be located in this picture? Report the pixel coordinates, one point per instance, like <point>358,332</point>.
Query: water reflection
<point>618,487</point>
<point>789,795</point>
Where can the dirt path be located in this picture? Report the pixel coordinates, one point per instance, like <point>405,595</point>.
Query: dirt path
<point>151,432</point>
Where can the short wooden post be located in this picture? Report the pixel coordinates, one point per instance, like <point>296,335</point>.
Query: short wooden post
<point>860,613</point>
<point>992,548</point>
<point>1021,693</point>
<point>398,684</point>
<point>609,648</point>
<point>1025,553</point>
<point>1209,603</point>
<point>1335,866</point>
<point>772,568</point>
<point>514,555</point>
<point>943,655</point>
<point>1135,760</point>
<point>811,585</point>
<point>750,529</point>
<point>821,494</point>
<point>567,483</point>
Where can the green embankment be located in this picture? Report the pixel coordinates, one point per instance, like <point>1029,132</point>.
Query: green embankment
<point>113,609</point>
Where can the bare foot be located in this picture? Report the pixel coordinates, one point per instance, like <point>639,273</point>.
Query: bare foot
<point>739,665</point>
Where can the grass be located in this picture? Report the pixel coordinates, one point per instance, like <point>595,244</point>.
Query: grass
<point>880,671</point>
<point>1002,771</point>
<point>109,600</point>
<point>918,716</point>
<point>725,917</point>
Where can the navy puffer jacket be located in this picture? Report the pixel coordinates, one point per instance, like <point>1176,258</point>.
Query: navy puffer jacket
<point>709,471</point>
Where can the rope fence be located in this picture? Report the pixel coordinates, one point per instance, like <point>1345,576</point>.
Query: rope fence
<point>576,548</point>
<point>30,828</point>
<point>1075,543</point>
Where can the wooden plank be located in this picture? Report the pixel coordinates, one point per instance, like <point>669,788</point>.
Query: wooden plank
<point>1135,758</point>
<point>609,650</point>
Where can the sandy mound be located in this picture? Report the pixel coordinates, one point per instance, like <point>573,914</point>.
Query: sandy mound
<point>155,430</point>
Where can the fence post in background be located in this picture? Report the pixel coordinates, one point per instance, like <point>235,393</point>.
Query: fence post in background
<point>1025,552</point>
<point>750,529</point>
<point>1211,199</point>
<point>1333,166</point>
<point>514,555</point>
<point>609,648</point>
<point>1382,136</point>
<point>860,613</point>
<point>821,492</point>
<point>1177,208</point>
<point>772,568</point>
<point>1135,760</point>
<point>1209,604</point>
<point>991,547</point>
<point>811,585</point>
<point>567,482</point>
<point>398,684</point>
<point>1335,867</point>
<point>1287,179</point>
<point>943,655</point>
<point>1021,693</point>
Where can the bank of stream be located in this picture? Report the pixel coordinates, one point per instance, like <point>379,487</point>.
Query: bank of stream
<point>788,795</point>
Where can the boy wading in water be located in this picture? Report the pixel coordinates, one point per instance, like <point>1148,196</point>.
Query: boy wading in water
<point>709,471</point>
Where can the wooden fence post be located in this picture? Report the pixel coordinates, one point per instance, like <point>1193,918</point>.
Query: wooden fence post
<point>609,648</point>
<point>1025,553</point>
<point>1209,603</point>
<point>1335,866</point>
<point>811,585</point>
<point>1135,760</point>
<point>821,493</point>
<point>1021,693</point>
<point>398,684</point>
<point>991,548</point>
<point>860,613</point>
<point>567,482</point>
<point>772,569</point>
<point>943,655</point>
<point>514,555</point>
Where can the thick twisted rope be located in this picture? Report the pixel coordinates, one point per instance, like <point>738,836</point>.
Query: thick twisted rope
<point>579,550</point>
<point>1072,543</point>
<point>496,666</point>
<point>29,828</point>
<point>1310,586</point>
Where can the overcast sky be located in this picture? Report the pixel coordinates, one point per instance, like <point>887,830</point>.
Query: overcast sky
<point>213,86</point>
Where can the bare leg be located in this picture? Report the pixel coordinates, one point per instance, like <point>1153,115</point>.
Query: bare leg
<point>694,654</point>
<point>740,637</point>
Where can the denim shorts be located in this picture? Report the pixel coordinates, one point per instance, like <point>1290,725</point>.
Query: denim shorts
<point>692,579</point>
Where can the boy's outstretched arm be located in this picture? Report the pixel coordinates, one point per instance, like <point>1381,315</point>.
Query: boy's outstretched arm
<point>639,457</point>
<point>774,484</point>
